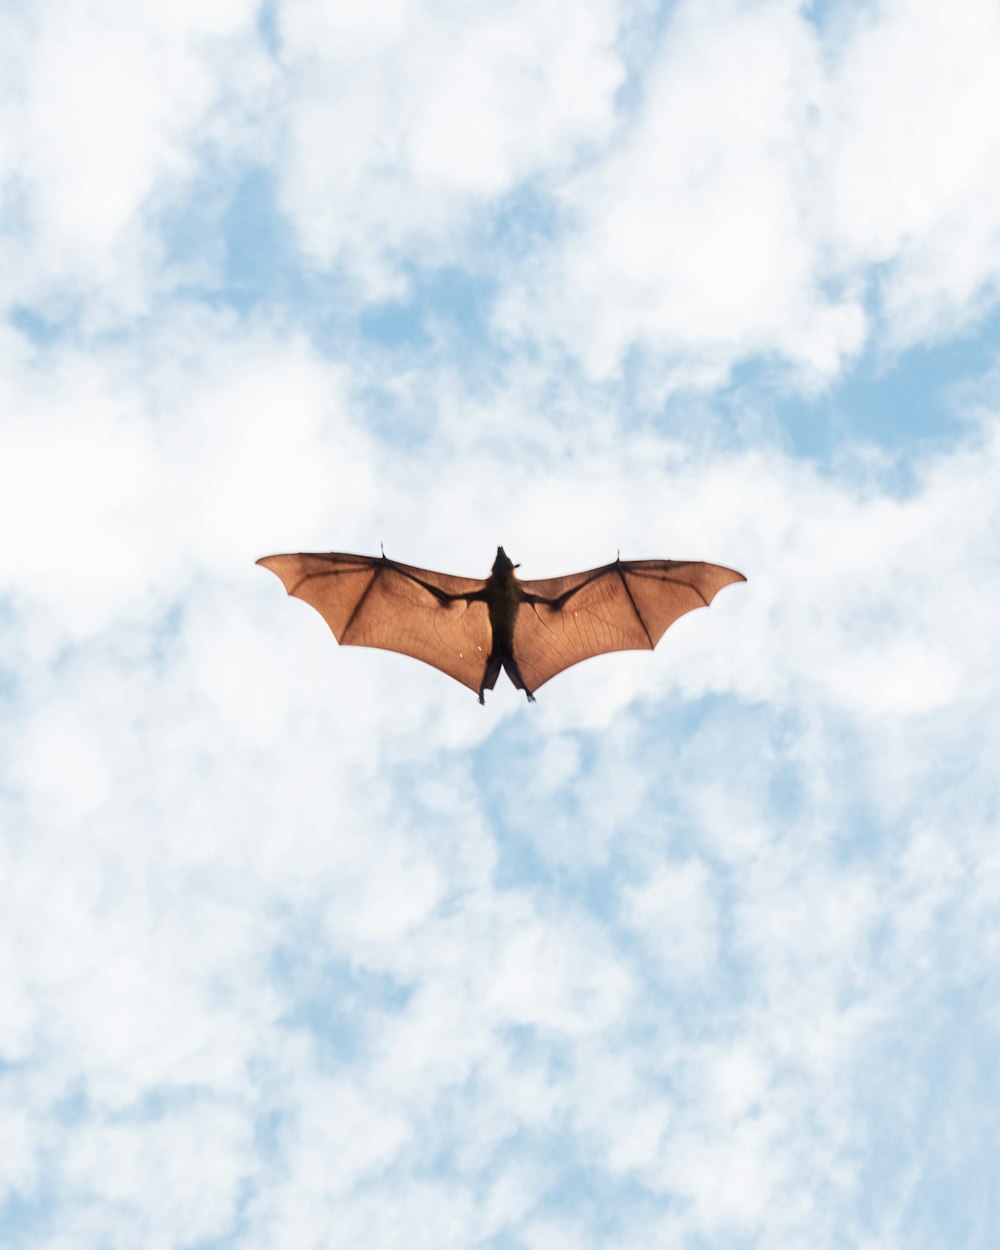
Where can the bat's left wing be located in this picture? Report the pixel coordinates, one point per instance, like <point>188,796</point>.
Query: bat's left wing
<point>371,601</point>
<point>625,606</point>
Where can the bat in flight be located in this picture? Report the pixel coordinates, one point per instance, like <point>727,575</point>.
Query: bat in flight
<point>472,629</point>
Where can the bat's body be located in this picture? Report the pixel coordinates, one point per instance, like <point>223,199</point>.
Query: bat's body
<point>472,629</point>
<point>503,600</point>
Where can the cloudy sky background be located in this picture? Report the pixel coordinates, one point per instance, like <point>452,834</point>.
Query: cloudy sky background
<point>301,946</point>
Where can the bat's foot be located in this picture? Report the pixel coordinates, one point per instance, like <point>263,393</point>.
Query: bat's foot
<point>481,699</point>
<point>531,697</point>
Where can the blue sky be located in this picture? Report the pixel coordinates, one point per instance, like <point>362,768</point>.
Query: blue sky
<point>300,945</point>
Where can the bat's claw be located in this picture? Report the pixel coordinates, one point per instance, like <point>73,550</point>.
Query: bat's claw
<point>531,697</point>
<point>481,698</point>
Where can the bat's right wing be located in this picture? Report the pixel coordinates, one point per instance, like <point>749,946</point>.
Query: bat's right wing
<point>625,606</point>
<point>371,601</point>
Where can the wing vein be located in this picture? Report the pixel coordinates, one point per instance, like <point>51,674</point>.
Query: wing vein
<point>635,609</point>
<point>679,581</point>
<point>364,595</point>
<point>311,577</point>
<point>575,590</point>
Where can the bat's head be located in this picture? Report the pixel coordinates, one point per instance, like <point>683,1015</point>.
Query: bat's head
<point>502,566</point>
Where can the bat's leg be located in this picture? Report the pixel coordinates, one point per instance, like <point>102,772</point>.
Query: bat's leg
<point>490,675</point>
<point>514,673</point>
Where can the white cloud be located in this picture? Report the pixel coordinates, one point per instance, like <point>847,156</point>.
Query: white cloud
<point>764,187</point>
<point>138,1168</point>
<point>108,113</point>
<point>694,234</point>
<point>773,175</point>
<point>121,487</point>
<point>401,122</point>
<point>914,152</point>
<point>673,910</point>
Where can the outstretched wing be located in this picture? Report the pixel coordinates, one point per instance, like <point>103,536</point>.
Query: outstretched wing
<point>371,601</point>
<point>625,606</point>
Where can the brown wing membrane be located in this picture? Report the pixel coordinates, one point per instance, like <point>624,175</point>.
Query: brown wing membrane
<point>369,601</point>
<point>625,606</point>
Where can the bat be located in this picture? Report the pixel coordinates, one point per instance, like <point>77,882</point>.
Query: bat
<point>471,629</point>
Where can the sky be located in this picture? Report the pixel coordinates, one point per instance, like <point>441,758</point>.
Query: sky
<point>299,945</point>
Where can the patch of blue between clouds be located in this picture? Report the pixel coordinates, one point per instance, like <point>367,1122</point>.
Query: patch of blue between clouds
<point>264,268</point>
<point>528,215</point>
<point>605,1204</point>
<point>335,1002</point>
<point>448,296</point>
<point>25,1217</point>
<point>36,326</point>
<point>442,318</point>
<point>268,26</point>
<point>907,406</point>
<point>458,298</point>
<point>830,14</point>
<point>261,262</point>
